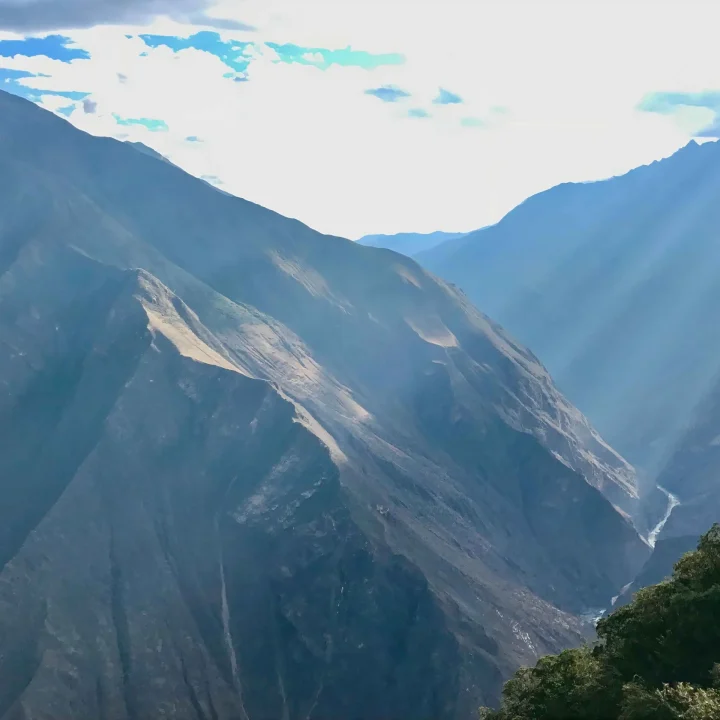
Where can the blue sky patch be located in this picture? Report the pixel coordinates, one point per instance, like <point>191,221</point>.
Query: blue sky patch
<point>11,76</point>
<point>324,58</point>
<point>67,111</point>
<point>445,97</point>
<point>70,95</point>
<point>388,93</point>
<point>668,103</point>
<point>11,81</point>
<point>418,113</point>
<point>56,47</point>
<point>150,124</point>
<point>229,52</point>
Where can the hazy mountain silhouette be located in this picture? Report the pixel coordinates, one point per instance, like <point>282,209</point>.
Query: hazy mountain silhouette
<point>693,475</point>
<point>409,243</point>
<point>614,285</point>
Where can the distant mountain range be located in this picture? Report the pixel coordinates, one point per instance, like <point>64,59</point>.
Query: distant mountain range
<point>409,244</point>
<point>252,471</point>
<point>614,285</point>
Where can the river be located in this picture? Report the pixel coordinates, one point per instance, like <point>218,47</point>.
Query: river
<point>593,615</point>
<point>673,502</point>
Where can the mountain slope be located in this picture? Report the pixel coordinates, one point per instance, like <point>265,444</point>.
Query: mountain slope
<point>658,657</point>
<point>693,475</point>
<point>259,472</point>
<point>204,527</point>
<point>409,244</point>
<point>613,285</point>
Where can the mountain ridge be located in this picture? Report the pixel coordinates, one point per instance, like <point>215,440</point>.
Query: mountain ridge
<point>409,243</point>
<point>284,467</point>
<point>604,279</point>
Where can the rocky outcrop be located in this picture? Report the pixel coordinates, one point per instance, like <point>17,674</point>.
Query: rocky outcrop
<point>257,472</point>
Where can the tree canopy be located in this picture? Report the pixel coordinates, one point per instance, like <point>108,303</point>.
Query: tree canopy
<point>656,658</point>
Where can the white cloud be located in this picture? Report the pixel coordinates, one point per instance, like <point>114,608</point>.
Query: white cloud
<point>54,102</point>
<point>555,84</point>
<point>314,57</point>
<point>39,15</point>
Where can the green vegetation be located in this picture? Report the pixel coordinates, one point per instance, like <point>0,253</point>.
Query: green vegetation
<point>655,659</point>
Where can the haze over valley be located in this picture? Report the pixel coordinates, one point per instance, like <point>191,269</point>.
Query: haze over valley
<point>251,470</point>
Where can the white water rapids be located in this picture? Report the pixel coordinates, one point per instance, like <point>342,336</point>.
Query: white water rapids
<point>673,502</point>
<point>593,615</point>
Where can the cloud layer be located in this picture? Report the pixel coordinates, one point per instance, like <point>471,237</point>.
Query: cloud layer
<point>40,15</point>
<point>285,118</point>
<point>674,103</point>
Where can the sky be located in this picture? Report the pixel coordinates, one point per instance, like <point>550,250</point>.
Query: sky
<point>377,116</point>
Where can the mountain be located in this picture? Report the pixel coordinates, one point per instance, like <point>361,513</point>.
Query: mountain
<point>447,248</point>
<point>252,471</point>
<point>692,472</point>
<point>409,244</point>
<point>613,284</point>
<point>692,475</point>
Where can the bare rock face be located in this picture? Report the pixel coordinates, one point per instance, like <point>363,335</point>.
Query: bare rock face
<point>250,471</point>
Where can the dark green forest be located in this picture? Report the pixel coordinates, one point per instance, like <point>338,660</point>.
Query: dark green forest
<point>657,658</point>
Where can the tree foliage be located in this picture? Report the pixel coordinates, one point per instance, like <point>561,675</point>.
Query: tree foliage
<point>656,658</point>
